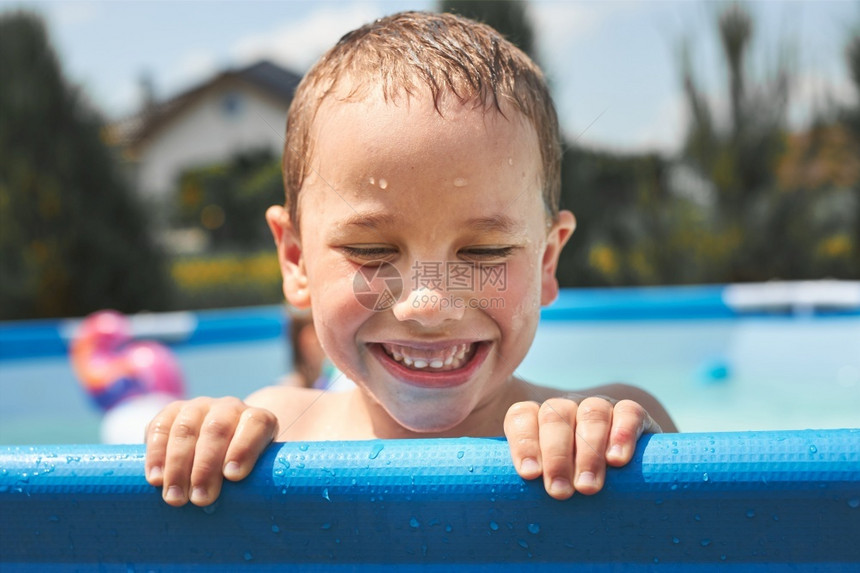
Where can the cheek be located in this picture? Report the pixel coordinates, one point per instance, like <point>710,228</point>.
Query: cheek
<point>518,305</point>
<point>337,312</point>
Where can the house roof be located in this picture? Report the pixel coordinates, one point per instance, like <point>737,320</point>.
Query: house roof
<point>272,80</point>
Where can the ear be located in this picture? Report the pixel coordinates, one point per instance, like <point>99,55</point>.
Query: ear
<point>561,230</point>
<point>289,248</point>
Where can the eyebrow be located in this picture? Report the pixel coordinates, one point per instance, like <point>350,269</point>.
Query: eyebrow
<point>495,223</point>
<point>370,220</point>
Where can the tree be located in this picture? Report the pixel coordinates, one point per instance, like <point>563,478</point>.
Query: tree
<point>73,237</point>
<point>226,200</point>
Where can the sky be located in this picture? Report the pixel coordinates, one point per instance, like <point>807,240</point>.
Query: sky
<point>613,65</point>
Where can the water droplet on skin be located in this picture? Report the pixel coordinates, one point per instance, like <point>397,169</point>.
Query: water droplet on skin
<point>534,528</point>
<point>460,454</point>
<point>375,451</point>
<point>383,184</point>
<point>494,526</point>
<point>372,181</point>
<point>413,523</point>
<point>460,182</point>
<point>510,160</point>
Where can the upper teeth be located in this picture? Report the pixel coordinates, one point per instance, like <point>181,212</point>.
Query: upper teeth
<point>449,358</point>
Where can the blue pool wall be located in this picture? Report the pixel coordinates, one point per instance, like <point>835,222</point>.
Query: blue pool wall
<point>749,501</point>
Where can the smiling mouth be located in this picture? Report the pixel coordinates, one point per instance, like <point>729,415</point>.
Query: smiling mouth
<point>442,359</point>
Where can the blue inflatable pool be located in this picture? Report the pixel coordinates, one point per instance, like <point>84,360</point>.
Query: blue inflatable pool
<point>764,501</point>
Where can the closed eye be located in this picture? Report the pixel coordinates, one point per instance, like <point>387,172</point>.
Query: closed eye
<point>479,254</point>
<point>368,253</point>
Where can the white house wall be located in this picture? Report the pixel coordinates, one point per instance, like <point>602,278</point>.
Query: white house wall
<point>206,133</point>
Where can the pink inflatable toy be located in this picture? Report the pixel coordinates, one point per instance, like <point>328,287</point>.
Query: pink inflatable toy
<point>113,368</point>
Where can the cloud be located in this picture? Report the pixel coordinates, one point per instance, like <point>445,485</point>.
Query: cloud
<point>298,43</point>
<point>73,14</point>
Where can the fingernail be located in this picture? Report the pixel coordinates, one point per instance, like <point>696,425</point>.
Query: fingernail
<point>616,451</point>
<point>174,493</point>
<point>198,494</point>
<point>560,486</point>
<point>586,479</point>
<point>231,469</point>
<point>155,473</point>
<point>529,466</point>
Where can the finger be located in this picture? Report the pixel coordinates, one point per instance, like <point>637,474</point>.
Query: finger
<point>256,429</point>
<point>557,419</point>
<point>181,444</point>
<point>521,429</point>
<point>156,438</point>
<point>629,422</point>
<point>593,422</point>
<point>216,432</point>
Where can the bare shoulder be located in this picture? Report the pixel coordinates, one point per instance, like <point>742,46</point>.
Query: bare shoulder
<point>647,400</point>
<point>282,400</point>
<point>614,391</point>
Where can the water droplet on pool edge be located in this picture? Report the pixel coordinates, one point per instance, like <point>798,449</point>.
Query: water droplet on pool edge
<point>705,542</point>
<point>854,503</point>
<point>375,451</point>
<point>460,454</point>
<point>413,523</point>
<point>303,447</point>
<point>325,494</point>
<point>813,449</point>
<point>534,528</point>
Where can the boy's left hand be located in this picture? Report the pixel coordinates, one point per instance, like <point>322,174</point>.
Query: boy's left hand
<point>571,443</point>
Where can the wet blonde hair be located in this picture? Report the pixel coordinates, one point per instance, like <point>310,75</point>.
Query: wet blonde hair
<point>447,53</point>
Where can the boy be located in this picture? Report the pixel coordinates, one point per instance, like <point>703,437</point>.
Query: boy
<point>421,148</point>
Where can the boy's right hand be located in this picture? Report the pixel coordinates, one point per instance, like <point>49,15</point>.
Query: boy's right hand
<point>191,445</point>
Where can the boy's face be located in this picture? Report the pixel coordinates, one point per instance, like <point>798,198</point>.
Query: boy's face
<point>452,205</point>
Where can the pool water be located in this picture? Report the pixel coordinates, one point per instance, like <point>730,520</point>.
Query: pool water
<point>715,374</point>
<point>765,373</point>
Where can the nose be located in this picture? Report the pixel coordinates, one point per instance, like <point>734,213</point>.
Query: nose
<point>429,306</point>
